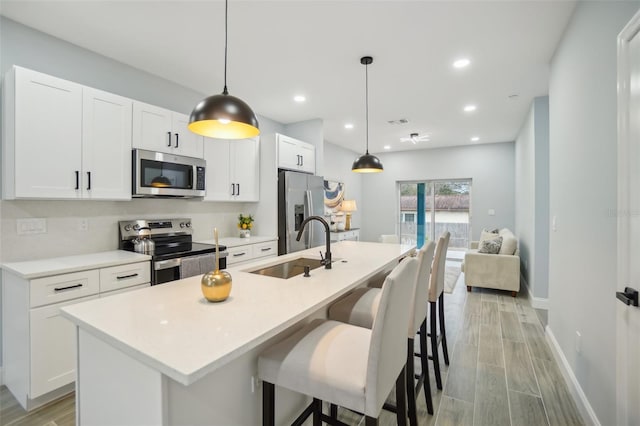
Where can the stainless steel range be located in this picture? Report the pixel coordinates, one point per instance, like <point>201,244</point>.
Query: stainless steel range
<point>175,255</point>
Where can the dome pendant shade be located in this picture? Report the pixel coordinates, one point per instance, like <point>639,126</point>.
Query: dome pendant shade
<point>367,163</point>
<point>225,117</point>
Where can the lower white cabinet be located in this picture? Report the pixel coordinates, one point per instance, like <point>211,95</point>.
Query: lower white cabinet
<point>350,235</point>
<point>39,344</point>
<point>53,348</point>
<point>251,251</point>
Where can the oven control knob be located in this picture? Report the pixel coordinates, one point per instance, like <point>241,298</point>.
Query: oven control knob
<point>136,227</point>
<point>188,224</point>
<point>182,225</point>
<point>127,227</point>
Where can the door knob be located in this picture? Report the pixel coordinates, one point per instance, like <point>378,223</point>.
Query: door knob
<point>629,296</point>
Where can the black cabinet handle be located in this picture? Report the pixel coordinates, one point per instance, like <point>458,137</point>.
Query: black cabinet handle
<point>265,249</point>
<point>233,189</point>
<point>238,189</point>
<point>302,160</point>
<point>77,179</point>
<point>67,288</point>
<point>88,181</point>
<point>169,145</point>
<point>177,140</point>
<point>122,277</point>
<point>628,297</point>
<point>239,254</point>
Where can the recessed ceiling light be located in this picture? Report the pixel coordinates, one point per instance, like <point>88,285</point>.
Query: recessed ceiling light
<point>387,147</point>
<point>469,108</point>
<point>348,126</point>
<point>475,139</point>
<point>299,98</point>
<point>461,63</point>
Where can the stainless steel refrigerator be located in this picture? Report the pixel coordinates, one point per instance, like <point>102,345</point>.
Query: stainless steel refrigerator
<point>299,195</point>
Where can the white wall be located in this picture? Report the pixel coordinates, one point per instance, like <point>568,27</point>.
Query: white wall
<point>582,256</point>
<point>532,198</point>
<point>337,167</point>
<point>490,166</point>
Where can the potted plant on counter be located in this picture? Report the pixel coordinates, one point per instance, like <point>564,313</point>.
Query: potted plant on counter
<point>245,223</point>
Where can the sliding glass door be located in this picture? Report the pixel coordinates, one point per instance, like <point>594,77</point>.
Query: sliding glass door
<point>429,208</point>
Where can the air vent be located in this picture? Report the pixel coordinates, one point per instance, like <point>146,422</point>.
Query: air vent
<point>398,122</point>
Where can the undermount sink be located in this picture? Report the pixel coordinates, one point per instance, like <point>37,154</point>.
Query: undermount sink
<point>288,269</point>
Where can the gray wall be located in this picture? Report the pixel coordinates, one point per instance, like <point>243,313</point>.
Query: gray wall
<point>532,197</point>
<point>337,167</point>
<point>583,174</point>
<point>490,166</point>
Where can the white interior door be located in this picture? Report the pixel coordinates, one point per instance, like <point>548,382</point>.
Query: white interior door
<point>628,316</point>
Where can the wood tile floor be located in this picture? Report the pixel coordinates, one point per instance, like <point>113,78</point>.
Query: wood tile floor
<point>502,372</point>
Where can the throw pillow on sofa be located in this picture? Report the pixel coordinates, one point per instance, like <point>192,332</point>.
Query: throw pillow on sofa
<point>484,235</point>
<point>509,242</point>
<point>491,246</point>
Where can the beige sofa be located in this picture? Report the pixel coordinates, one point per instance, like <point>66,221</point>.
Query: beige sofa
<point>497,271</point>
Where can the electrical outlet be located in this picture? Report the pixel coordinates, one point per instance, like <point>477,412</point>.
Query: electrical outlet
<point>492,212</point>
<point>578,342</point>
<point>83,225</point>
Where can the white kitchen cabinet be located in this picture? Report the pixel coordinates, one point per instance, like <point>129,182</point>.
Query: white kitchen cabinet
<point>162,130</point>
<point>39,345</point>
<point>233,169</point>
<point>350,235</point>
<point>63,140</point>
<point>296,155</point>
<point>251,251</point>
<point>42,125</point>
<point>53,348</point>
<point>106,145</point>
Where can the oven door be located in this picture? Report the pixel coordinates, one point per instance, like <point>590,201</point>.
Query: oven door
<point>169,175</point>
<point>165,271</point>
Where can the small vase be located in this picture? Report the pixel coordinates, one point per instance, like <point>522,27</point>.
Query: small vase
<point>245,233</point>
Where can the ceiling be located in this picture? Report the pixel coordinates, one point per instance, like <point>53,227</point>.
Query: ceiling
<point>278,49</point>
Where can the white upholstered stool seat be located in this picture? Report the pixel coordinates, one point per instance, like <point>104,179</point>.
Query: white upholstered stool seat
<point>360,307</point>
<point>343,364</point>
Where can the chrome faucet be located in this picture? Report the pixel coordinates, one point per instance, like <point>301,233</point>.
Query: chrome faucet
<point>326,261</point>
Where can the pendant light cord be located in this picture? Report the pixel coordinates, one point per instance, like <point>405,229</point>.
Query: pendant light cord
<point>366,97</point>
<point>226,17</point>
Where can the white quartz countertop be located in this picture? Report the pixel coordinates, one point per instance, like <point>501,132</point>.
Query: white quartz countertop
<point>173,329</point>
<point>61,265</point>
<point>237,242</point>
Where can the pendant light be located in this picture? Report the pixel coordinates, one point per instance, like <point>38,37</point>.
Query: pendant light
<point>224,116</point>
<point>161,181</point>
<point>367,163</point>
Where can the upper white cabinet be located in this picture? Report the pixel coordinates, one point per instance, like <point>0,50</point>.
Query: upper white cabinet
<point>106,145</point>
<point>158,129</point>
<point>233,169</point>
<point>63,140</point>
<point>296,155</point>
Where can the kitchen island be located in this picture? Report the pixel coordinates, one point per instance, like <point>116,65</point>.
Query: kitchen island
<point>165,356</point>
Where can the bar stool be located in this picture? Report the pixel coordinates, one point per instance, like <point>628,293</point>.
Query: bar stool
<point>436,294</point>
<point>360,307</point>
<point>344,364</point>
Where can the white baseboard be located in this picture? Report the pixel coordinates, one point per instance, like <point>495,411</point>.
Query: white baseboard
<point>582,403</point>
<point>536,302</point>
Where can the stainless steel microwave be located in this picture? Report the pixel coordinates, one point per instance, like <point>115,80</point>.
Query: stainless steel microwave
<point>158,174</point>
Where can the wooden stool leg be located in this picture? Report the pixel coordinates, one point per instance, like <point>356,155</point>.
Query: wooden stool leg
<point>443,331</point>
<point>514,293</point>
<point>401,398</point>
<point>424,361</point>
<point>434,345</point>
<point>268,404</point>
<point>411,389</point>
<point>469,288</point>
